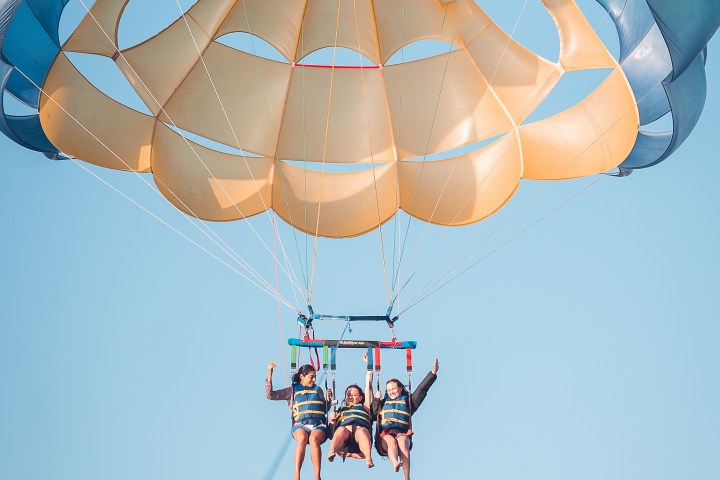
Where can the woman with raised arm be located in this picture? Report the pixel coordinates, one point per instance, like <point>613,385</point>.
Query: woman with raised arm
<point>394,412</point>
<point>308,407</point>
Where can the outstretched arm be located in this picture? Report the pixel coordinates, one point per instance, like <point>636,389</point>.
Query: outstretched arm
<point>270,394</point>
<point>422,390</point>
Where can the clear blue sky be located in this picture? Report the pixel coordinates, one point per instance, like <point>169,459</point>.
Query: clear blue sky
<point>584,347</point>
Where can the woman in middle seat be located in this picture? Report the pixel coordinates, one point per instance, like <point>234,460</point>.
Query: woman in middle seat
<point>353,424</point>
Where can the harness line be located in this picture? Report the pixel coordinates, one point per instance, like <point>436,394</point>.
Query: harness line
<point>189,144</point>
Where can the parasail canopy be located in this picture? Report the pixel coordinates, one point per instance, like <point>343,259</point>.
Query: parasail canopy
<point>289,121</point>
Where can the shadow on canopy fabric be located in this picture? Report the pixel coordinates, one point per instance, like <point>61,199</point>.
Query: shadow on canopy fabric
<point>389,118</point>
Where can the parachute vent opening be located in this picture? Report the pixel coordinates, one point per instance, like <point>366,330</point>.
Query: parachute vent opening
<point>134,27</point>
<point>211,144</point>
<point>334,167</point>
<point>104,75</point>
<point>528,23</point>
<point>72,15</point>
<point>456,152</point>
<point>252,44</point>
<point>338,56</point>
<point>419,50</point>
<point>13,106</point>
<point>662,124</point>
<point>573,87</point>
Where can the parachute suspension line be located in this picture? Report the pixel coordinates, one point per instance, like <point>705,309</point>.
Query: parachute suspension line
<point>279,313</point>
<point>411,266</point>
<point>398,224</point>
<point>507,220</point>
<point>427,147</point>
<point>290,271</point>
<point>265,285</point>
<point>510,37</point>
<point>193,242</point>
<point>297,247</point>
<point>324,157</point>
<point>235,256</point>
<point>305,170</point>
<point>421,296</point>
<point>269,120</point>
<point>277,161</point>
<point>372,157</point>
<point>435,288</point>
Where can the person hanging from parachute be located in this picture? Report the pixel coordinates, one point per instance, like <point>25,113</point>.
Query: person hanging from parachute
<point>394,413</point>
<point>353,423</point>
<point>309,407</point>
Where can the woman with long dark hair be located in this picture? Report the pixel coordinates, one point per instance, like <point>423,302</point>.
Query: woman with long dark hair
<point>353,424</point>
<point>308,407</point>
<point>394,411</point>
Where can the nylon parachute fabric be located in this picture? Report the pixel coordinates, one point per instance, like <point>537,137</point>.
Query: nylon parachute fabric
<point>385,118</point>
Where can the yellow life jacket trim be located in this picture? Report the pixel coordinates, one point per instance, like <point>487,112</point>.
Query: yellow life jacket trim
<point>316,402</point>
<point>344,417</point>
<point>394,420</point>
<point>307,412</point>
<point>385,411</point>
<point>305,392</point>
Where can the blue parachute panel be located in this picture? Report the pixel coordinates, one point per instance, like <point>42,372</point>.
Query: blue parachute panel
<point>25,40</point>
<point>29,129</point>
<point>687,27</point>
<point>7,11</point>
<point>646,74</point>
<point>24,130</point>
<point>662,45</point>
<point>632,19</point>
<point>31,50</point>
<point>48,14</point>
<point>687,96</point>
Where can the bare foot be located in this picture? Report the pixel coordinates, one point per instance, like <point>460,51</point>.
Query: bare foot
<point>397,466</point>
<point>331,456</point>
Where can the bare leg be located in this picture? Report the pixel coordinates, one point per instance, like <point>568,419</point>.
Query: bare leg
<point>301,441</point>
<point>317,437</point>
<point>362,437</point>
<point>339,438</point>
<point>391,446</point>
<point>404,446</point>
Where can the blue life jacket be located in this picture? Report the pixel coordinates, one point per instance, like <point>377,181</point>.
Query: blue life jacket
<point>395,414</point>
<point>307,404</point>
<point>355,412</point>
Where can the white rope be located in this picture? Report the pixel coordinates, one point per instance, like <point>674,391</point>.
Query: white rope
<point>435,289</point>
<point>189,144</point>
<point>420,293</point>
<point>189,218</point>
<point>372,157</point>
<point>291,275</point>
<point>151,188</point>
<point>411,265</point>
<point>264,288</point>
